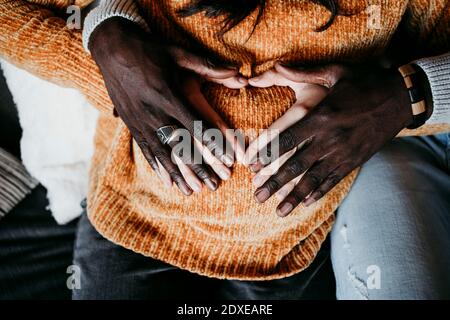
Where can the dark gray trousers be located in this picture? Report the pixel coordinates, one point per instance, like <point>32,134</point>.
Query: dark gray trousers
<point>34,251</point>
<point>36,256</point>
<point>109,271</point>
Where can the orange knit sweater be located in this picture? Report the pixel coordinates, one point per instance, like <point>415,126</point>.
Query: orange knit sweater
<point>223,234</point>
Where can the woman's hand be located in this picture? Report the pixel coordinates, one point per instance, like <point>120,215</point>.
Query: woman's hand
<point>308,95</point>
<point>362,112</point>
<point>145,81</point>
<point>309,91</point>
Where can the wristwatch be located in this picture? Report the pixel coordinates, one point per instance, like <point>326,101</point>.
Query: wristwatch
<point>416,93</point>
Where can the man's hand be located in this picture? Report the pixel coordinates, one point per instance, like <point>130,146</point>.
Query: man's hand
<point>145,81</point>
<point>361,113</point>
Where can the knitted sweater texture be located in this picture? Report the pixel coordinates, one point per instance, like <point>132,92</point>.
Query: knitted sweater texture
<point>223,234</point>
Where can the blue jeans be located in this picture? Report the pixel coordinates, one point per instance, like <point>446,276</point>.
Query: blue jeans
<point>391,239</point>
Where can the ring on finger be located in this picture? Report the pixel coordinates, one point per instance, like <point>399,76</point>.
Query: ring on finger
<point>166,133</point>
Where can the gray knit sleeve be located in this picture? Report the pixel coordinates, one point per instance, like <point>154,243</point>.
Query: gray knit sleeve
<point>15,181</point>
<point>437,70</point>
<point>108,9</point>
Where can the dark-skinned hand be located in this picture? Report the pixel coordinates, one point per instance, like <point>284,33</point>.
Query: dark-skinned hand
<point>145,81</point>
<point>363,110</point>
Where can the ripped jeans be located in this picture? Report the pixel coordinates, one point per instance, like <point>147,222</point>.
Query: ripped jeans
<point>391,239</point>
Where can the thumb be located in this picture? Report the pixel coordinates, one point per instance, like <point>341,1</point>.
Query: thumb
<point>200,65</point>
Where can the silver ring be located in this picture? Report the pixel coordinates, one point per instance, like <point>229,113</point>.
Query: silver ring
<point>166,133</point>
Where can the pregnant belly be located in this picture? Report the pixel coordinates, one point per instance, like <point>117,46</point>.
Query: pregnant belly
<point>220,233</point>
<point>231,212</point>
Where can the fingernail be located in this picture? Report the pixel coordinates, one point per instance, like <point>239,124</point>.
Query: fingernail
<point>257,181</point>
<point>285,209</point>
<point>196,186</point>
<point>262,195</point>
<point>227,159</point>
<point>185,189</point>
<point>224,174</point>
<point>211,184</point>
<point>242,80</point>
<point>255,167</point>
<point>255,79</point>
<point>309,201</point>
